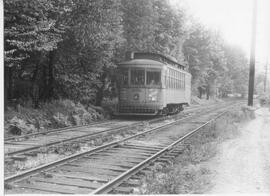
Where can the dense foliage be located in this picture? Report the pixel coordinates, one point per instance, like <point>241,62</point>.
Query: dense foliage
<point>69,48</point>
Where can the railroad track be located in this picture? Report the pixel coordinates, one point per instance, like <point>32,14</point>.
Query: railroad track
<point>56,137</point>
<point>45,132</point>
<point>29,145</point>
<point>111,166</point>
<point>64,129</point>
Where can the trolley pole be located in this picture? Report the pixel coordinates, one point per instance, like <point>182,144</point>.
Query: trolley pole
<point>252,55</point>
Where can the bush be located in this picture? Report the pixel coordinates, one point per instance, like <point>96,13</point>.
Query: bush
<point>56,114</point>
<point>264,100</point>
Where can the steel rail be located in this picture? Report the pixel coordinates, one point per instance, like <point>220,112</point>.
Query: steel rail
<point>56,164</point>
<point>71,139</point>
<point>55,130</point>
<point>106,188</point>
<point>83,136</point>
<point>89,125</point>
<point>77,127</point>
<point>45,167</point>
<point>29,149</point>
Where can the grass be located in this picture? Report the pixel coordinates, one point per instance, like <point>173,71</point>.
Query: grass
<point>189,173</point>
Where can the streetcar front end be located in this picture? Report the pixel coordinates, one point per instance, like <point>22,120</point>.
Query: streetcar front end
<point>140,88</point>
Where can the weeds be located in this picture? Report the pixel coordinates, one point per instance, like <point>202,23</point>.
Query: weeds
<point>46,175</point>
<point>8,186</point>
<point>189,172</point>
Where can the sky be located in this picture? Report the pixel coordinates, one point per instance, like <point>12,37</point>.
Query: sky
<point>233,19</point>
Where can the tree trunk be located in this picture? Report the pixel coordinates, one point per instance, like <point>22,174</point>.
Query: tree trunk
<point>200,92</point>
<point>35,90</point>
<point>99,95</point>
<point>10,83</point>
<point>7,85</point>
<point>5,96</point>
<point>50,86</point>
<point>35,82</point>
<point>43,83</point>
<point>100,92</point>
<point>207,92</point>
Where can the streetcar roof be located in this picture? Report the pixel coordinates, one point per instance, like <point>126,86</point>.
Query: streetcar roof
<point>141,62</point>
<point>148,58</point>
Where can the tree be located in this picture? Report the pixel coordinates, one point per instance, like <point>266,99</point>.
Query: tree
<point>197,51</point>
<point>31,32</point>
<point>153,26</point>
<point>237,69</point>
<point>70,48</point>
<point>89,49</point>
<point>212,64</point>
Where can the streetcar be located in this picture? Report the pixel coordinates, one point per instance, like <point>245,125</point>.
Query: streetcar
<point>152,84</point>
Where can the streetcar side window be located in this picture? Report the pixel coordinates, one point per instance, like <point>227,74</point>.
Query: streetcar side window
<point>168,79</point>
<point>184,81</point>
<point>171,75</point>
<point>137,77</point>
<point>171,79</point>
<point>153,77</point>
<point>180,80</point>
<point>175,79</point>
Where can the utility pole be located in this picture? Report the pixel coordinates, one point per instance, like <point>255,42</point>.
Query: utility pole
<point>252,55</point>
<point>265,77</point>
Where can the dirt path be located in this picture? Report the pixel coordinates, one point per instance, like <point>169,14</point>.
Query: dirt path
<point>243,165</point>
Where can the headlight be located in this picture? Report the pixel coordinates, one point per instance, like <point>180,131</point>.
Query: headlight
<point>136,97</point>
<point>152,97</point>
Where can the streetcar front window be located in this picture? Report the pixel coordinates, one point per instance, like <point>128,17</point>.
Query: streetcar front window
<point>124,77</point>
<point>153,78</point>
<point>137,77</point>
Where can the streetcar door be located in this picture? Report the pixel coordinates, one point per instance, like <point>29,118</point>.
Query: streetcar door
<point>137,83</point>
